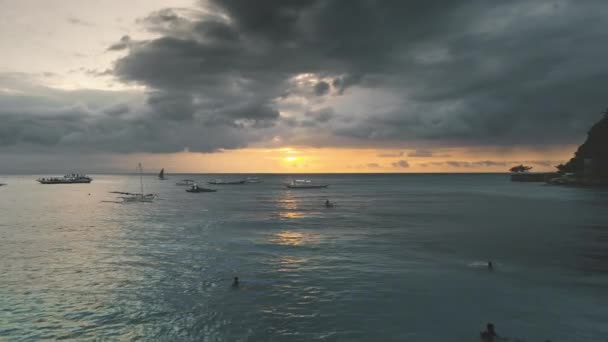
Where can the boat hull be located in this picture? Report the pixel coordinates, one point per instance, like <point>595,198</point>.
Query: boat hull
<point>227,183</point>
<point>200,190</point>
<point>64,182</point>
<point>137,200</point>
<point>185,183</point>
<point>289,186</point>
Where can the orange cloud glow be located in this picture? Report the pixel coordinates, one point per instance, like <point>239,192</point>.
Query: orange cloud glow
<point>348,160</point>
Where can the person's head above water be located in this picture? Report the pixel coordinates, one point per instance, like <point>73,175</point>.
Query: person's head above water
<point>489,335</point>
<point>236,281</point>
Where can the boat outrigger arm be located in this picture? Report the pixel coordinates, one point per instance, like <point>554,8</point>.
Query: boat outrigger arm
<point>130,193</point>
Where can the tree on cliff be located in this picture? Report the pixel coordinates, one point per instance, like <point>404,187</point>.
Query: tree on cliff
<point>591,158</point>
<point>520,168</point>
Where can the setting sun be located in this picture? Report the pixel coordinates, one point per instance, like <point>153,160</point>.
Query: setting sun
<point>291,158</point>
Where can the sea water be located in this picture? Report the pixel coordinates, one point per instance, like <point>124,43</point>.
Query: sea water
<point>399,258</point>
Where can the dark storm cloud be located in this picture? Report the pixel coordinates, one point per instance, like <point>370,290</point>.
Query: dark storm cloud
<point>78,129</point>
<point>274,19</point>
<point>313,118</point>
<point>121,45</point>
<point>471,72</point>
<point>116,122</point>
<point>321,88</point>
<point>172,106</point>
<point>450,72</point>
<point>322,115</point>
<point>344,82</point>
<point>117,110</point>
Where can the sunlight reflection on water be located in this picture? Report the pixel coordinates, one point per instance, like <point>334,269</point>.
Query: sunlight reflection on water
<point>393,255</point>
<point>294,238</point>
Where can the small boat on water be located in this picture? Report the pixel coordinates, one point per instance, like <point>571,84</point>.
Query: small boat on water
<point>141,197</point>
<point>226,182</point>
<point>253,180</point>
<point>135,197</point>
<point>73,178</point>
<point>304,184</point>
<point>161,174</point>
<point>2,184</point>
<point>185,182</point>
<point>196,188</point>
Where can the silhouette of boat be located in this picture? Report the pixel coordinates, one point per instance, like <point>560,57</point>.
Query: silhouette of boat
<point>196,188</point>
<point>73,178</point>
<point>185,182</point>
<point>141,197</point>
<point>304,184</point>
<point>224,182</point>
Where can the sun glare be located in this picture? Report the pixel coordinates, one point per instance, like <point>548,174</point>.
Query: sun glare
<point>291,158</point>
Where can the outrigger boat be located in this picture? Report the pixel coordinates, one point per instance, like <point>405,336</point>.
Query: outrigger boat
<point>196,188</point>
<point>304,184</point>
<point>223,182</point>
<point>129,197</point>
<point>186,182</point>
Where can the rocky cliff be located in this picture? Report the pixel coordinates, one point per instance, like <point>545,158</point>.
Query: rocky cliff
<point>590,161</point>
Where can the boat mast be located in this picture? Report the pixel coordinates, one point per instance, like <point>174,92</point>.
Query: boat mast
<point>141,179</point>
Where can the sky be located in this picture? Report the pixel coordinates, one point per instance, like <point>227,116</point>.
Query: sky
<point>298,85</point>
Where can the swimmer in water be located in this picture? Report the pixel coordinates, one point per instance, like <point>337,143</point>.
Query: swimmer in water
<point>235,283</point>
<point>490,334</point>
<point>490,266</point>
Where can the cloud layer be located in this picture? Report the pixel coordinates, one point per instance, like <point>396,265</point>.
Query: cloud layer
<point>330,73</point>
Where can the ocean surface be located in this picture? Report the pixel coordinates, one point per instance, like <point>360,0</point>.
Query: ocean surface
<point>400,258</point>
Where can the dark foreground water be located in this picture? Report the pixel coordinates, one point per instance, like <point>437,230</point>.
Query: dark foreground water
<point>399,259</point>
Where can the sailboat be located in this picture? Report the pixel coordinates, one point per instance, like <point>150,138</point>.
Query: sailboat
<point>129,197</point>
<point>161,175</point>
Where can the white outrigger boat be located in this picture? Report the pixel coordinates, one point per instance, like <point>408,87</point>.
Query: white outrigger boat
<point>226,182</point>
<point>129,197</point>
<point>186,182</point>
<point>196,189</point>
<point>304,184</point>
<point>134,197</point>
